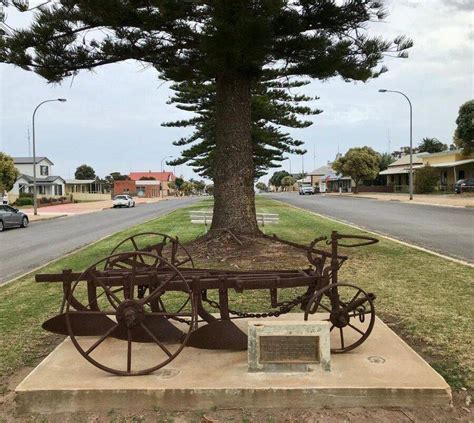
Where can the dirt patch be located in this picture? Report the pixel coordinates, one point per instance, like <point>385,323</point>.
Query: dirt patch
<point>246,253</point>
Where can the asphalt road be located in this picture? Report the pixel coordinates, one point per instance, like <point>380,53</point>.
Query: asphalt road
<point>22,250</point>
<point>445,230</point>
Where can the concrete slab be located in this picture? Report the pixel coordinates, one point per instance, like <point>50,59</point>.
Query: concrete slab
<point>384,371</point>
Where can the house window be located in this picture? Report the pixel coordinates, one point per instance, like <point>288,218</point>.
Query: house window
<point>44,170</point>
<point>41,189</point>
<point>58,190</point>
<point>462,174</point>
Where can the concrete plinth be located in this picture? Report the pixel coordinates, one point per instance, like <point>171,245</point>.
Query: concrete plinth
<point>383,371</point>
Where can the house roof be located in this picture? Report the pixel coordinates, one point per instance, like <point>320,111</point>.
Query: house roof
<point>405,160</point>
<point>47,179</point>
<point>443,153</point>
<point>80,181</point>
<point>398,170</point>
<point>159,176</point>
<point>29,160</point>
<point>452,164</point>
<point>323,170</point>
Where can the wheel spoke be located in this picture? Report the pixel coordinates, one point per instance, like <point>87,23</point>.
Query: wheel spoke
<point>356,329</point>
<point>158,290</point>
<point>129,350</point>
<point>342,337</point>
<point>149,332</point>
<point>355,296</point>
<point>324,307</point>
<point>332,327</point>
<point>106,288</point>
<point>101,339</point>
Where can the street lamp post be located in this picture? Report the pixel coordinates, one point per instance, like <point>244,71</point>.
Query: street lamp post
<point>35,204</point>
<point>161,184</point>
<point>410,179</point>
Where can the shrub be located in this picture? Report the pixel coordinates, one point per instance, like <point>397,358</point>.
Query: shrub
<point>426,180</point>
<point>24,202</point>
<point>26,195</point>
<point>44,200</point>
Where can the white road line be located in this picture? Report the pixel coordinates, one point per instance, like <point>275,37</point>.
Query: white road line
<point>385,236</point>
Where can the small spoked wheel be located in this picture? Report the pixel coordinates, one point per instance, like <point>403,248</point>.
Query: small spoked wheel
<point>129,333</point>
<point>350,311</point>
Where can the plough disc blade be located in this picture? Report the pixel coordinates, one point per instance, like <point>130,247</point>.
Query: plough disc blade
<point>159,326</point>
<point>89,325</point>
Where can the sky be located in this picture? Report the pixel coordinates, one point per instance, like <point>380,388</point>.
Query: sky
<point>112,117</point>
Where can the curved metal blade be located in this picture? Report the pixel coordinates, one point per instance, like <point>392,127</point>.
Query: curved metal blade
<point>82,325</point>
<point>163,330</point>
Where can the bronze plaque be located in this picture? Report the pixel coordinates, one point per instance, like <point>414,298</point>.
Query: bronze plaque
<point>289,349</point>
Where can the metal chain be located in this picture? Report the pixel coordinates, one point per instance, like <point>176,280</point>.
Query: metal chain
<point>284,307</point>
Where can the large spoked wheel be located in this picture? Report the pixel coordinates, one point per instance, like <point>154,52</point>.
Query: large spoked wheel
<point>156,243</point>
<point>351,314</point>
<point>161,245</point>
<point>119,312</point>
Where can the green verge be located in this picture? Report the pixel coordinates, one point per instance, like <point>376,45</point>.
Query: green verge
<point>426,299</point>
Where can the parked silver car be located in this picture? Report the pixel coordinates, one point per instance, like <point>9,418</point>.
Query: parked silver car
<point>12,218</point>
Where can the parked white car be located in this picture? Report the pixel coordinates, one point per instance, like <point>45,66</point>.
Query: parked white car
<point>306,189</point>
<point>123,201</point>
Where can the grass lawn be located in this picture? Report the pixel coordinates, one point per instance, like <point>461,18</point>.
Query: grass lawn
<point>426,299</point>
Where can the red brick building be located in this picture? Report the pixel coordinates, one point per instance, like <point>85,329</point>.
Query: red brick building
<point>145,184</point>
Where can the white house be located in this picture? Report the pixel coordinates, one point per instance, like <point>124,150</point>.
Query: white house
<point>47,184</point>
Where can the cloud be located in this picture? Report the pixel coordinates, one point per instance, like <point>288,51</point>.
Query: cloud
<point>462,5</point>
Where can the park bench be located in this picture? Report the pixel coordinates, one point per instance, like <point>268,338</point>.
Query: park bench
<point>205,217</point>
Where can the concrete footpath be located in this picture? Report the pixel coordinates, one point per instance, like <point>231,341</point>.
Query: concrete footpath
<point>383,372</point>
<point>72,209</point>
<point>448,200</point>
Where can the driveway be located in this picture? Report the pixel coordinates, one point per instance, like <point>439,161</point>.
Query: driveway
<point>23,250</point>
<point>446,230</point>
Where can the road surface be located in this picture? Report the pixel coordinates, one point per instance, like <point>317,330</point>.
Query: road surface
<point>445,230</point>
<point>22,250</point>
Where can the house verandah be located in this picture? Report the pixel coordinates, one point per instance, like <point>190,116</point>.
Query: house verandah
<point>451,165</point>
<point>47,187</point>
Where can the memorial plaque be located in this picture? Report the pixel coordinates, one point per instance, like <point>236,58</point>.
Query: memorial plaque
<point>289,349</point>
<point>289,346</point>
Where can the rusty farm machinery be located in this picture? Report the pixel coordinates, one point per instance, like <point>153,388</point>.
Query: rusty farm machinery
<point>148,291</point>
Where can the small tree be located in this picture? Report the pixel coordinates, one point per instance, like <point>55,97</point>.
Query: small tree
<point>359,163</point>
<point>187,188</point>
<point>276,178</point>
<point>426,180</point>
<point>287,182</point>
<point>464,133</point>
<point>8,173</point>
<point>261,186</point>
<point>179,183</point>
<point>431,145</point>
<point>84,172</point>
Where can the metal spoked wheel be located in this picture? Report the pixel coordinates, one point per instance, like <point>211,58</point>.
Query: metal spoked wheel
<point>351,313</point>
<point>161,245</point>
<point>119,311</point>
<point>156,243</point>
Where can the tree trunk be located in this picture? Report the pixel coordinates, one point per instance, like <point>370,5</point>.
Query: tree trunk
<point>234,196</point>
